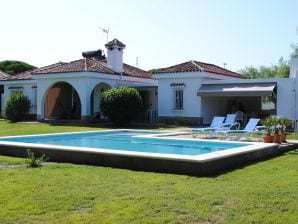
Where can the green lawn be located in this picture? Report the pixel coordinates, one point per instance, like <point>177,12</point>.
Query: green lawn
<point>265,192</point>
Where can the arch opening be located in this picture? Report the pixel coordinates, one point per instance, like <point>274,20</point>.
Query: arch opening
<point>95,100</point>
<point>62,102</point>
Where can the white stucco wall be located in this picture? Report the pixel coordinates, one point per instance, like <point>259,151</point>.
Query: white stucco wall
<point>27,87</point>
<point>192,102</point>
<point>83,83</point>
<point>286,105</point>
<point>195,106</point>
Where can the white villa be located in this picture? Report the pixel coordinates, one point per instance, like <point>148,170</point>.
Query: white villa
<point>73,90</point>
<point>191,92</point>
<point>195,90</point>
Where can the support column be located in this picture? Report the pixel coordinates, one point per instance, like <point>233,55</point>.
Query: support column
<point>85,94</point>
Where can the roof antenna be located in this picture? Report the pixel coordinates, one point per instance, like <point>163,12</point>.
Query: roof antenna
<point>137,61</point>
<point>224,64</point>
<point>106,30</point>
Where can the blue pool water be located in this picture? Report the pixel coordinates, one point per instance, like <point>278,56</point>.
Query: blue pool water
<point>128,141</point>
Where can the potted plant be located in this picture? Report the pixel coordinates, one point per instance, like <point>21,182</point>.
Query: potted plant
<point>284,122</point>
<point>268,138</point>
<point>275,124</point>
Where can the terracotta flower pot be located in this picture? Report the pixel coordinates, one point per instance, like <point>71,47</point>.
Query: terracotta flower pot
<point>276,138</point>
<point>268,138</point>
<point>283,137</point>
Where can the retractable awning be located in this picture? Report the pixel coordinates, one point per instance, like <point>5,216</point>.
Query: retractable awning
<point>237,89</point>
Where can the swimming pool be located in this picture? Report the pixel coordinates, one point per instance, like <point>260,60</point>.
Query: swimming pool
<point>127,140</point>
<point>139,150</point>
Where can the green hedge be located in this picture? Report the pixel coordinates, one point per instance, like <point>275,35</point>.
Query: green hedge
<point>121,104</point>
<point>17,106</point>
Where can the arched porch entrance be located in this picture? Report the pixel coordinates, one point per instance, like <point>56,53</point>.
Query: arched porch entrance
<point>62,102</point>
<point>96,98</point>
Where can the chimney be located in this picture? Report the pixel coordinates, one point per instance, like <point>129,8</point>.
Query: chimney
<point>115,55</point>
<point>293,67</point>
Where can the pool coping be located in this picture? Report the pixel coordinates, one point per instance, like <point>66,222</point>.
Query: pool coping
<point>200,165</point>
<point>253,146</point>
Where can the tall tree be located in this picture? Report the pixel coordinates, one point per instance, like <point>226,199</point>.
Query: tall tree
<point>294,54</point>
<point>279,70</point>
<point>12,67</point>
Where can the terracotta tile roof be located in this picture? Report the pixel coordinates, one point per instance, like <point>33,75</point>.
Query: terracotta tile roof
<point>27,75</point>
<point>196,66</point>
<point>115,42</point>
<point>129,70</point>
<point>81,65</point>
<point>3,75</point>
<point>93,65</point>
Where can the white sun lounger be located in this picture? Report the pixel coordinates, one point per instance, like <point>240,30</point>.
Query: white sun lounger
<point>249,129</point>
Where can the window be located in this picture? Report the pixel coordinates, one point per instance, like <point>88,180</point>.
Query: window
<point>178,99</point>
<point>15,89</point>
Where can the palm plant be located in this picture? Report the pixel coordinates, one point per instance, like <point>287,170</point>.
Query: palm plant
<point>268,123</point>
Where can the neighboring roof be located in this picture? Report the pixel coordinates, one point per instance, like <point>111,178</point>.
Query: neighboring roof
<point>115,42</point>
<point>196,66</point>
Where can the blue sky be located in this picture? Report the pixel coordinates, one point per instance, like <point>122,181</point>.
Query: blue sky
<point>160,33</point>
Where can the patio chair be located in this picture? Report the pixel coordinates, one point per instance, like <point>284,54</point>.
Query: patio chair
<point>215,124</point>
<point>230,122</point>
<point>249,129</point>
<point>240,117</point>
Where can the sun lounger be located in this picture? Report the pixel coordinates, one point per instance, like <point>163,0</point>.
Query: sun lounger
<point>230,122</point>
<point>249,129</point>
<point>215,124</point>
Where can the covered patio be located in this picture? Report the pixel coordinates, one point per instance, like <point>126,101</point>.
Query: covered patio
<point>256,99</point>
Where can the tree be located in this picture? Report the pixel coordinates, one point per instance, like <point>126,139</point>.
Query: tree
<point>17,106</point>
<point>152,71</point>
<point>280,70</point>
<point>14,67</point>
<point>294,54</point>
<point>121,104</point>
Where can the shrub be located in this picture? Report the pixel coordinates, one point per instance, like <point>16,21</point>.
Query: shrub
<point>121,104</point>
<point>17,106</point>
<point>33,161</point>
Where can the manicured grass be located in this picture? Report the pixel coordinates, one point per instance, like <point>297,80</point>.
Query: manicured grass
<point>63,193</point>
<point>265,192</point>
<point>26,128</point>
